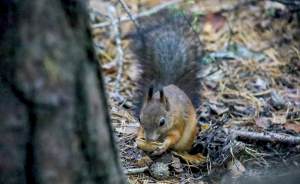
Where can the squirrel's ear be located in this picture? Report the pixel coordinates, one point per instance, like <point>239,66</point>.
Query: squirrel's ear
<point>163,99</point>
<point>150,93</point>
<point>161,96</point>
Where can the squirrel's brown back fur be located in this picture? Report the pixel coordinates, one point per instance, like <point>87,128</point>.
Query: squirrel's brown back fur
<point>168,52</point>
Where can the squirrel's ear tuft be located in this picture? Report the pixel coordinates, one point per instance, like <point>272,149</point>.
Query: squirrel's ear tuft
<point>161,96</point>
<point>150,93</point>
<point>163,99</point>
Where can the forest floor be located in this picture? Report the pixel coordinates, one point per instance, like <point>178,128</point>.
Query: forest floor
<point>250,90</point>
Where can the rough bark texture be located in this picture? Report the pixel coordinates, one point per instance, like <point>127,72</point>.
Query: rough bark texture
<point>54,123</point>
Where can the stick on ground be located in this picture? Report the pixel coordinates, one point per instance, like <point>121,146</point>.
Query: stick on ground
<point>136,170</point>
<point>265,136</point>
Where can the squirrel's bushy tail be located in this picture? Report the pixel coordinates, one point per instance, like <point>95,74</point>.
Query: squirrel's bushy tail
<point>168,51</point>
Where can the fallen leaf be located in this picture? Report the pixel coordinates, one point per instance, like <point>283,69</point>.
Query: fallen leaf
<point>99,6</point>
<point>214,22</point>
<point>261,84</point>
<point>277,101</point>
<point>292,126</point>
<point>263,122</point>
<point>279,119</point>
<point>144,161</point>
<point>176,164</point>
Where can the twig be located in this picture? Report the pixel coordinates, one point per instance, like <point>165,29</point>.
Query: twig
<point>136,16</point>
<point>124,5</point>
<point>119,58</point>
<point>265,136</point>
<point>136,170</point>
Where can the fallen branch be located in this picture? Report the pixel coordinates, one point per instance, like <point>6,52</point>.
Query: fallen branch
<point>136,16</point>
<point>265,136</point>
<point>136,170</point>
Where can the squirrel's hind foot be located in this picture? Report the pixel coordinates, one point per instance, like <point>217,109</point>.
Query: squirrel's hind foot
<point>197,159</point>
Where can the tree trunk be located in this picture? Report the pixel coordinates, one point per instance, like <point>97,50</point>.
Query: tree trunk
<point>54,121</point>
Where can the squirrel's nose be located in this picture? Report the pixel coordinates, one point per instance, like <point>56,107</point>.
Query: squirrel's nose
<point>151,137</point>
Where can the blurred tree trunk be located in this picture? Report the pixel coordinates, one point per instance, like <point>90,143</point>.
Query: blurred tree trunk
<point>54,122</point>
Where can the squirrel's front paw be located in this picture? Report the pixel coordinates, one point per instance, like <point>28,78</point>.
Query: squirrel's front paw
<point>160,150</point>
<point>147,146</point>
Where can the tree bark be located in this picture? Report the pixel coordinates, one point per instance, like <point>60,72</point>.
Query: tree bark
<point>54,121</point>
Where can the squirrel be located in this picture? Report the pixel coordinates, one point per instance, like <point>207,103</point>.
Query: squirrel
<point>169,52</point>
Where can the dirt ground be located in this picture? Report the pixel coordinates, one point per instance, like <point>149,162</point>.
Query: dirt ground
<point>250,84</point>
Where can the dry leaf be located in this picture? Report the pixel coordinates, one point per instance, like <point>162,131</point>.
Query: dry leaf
<point>144,161</point>
<point>263,122</point>
<point>214,22</point>
<point>176,164</point>
<point>292,126</point>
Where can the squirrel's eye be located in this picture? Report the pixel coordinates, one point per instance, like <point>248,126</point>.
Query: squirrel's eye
<point>161,121</point>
